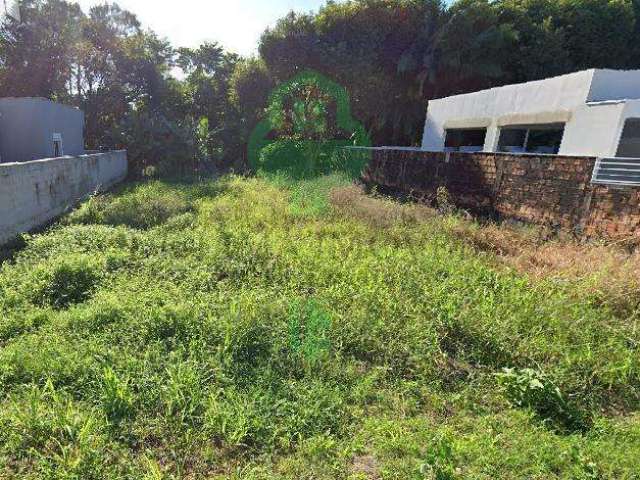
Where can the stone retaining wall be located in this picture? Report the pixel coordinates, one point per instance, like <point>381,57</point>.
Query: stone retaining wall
<point>546,189</point>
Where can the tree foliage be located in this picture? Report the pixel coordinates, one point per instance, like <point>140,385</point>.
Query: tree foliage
<point>395,55</point>
<point>392,56</point>
<point>121,76</point>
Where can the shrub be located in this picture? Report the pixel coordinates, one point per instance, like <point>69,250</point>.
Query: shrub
<point>533,389</point>
<point>69,281</point>
<point>148,206</point>
<point>297,158</point>
<point>439,461</point>
<point>308,158</point>
<point>157,145</point>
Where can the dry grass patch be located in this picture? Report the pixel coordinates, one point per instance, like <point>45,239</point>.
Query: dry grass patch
<point>366,467</point>
<point>608,271</point>
<point>379,212</point>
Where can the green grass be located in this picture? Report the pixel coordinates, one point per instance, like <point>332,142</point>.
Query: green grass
<point>248,329</point>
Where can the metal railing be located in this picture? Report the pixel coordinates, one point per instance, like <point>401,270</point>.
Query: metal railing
<point>617,171</point>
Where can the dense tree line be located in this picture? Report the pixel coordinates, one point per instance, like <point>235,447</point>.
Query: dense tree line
<point>391,55</point>
<point>396,55</point>
<point>123,78</point>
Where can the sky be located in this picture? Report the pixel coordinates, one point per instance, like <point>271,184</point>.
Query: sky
<point>235,24</point>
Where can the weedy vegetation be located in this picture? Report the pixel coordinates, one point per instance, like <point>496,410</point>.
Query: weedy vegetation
<point>270,328</point>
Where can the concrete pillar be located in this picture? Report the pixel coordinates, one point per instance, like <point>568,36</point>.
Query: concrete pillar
<point>491,140</point>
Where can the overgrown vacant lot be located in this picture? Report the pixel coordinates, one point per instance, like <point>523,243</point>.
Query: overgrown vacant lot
<point>255,329</point>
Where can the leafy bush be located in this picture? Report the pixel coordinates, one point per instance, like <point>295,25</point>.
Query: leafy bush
<point>533,389</point>
<point>148,206</point>
<point>305,158</point>
<point>69,281</point>
<point>158,146</point>
<point>297,158</point>
<point>439,461</point>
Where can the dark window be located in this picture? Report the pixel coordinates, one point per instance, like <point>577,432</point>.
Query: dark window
<point>465,139</point>
<point>630,141</point>
<point>545,138</point>
<point>545,141</point>
<point>512,140</point>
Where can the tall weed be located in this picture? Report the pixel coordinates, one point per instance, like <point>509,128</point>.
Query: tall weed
<point>278,328</point>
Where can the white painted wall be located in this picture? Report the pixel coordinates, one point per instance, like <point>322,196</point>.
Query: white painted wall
<point>33,193</point>
<point>592,129</point>
<point>489,108</point>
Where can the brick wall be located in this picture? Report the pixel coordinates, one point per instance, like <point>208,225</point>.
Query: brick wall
<point>546,189</point>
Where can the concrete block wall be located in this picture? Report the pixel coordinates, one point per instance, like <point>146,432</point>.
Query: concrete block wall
<point>33,193</point>
<point>544,189</point>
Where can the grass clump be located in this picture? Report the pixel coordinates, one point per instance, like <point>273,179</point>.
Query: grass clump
<point>282,328</point>
<point>142,207</point>
<point>67,281</point>
<point>117,398</point>
<point>528,388</point>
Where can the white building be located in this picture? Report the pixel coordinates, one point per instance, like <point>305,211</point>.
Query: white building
<point>588,113</point>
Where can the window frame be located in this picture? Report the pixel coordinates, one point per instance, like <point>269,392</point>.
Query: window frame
<point>622,132</point>
<point>484,131</point>
<point>528,129</point>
